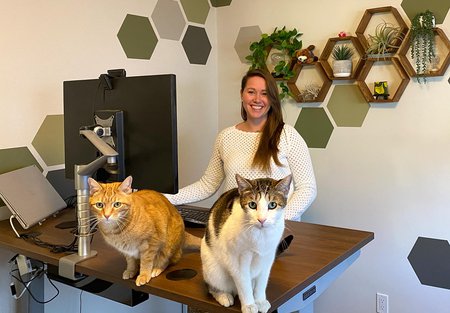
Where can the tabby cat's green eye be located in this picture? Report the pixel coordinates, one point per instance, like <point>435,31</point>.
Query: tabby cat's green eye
<point>117,204</point>
<point>272,205</point>
<point>99,205</point>
<point>252,205</point>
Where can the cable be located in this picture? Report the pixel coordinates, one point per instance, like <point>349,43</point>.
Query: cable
<point>12,225</point>
<point>26,284</point>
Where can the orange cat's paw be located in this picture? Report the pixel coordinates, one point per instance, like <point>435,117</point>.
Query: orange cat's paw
<point>156,272</point>
<point>142,279</point>
<point>127,274</point>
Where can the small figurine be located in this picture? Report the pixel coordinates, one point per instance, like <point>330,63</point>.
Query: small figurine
<point>342,34</point>
<point>380,90</point>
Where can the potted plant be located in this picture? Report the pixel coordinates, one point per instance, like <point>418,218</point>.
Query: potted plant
<point>287,43</point>
<point>386,40</point>
<point>342,64</point>
<point>422,41</point>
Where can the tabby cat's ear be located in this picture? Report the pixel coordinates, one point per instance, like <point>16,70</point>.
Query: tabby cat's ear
<point>125,186</point>
<point>242,183</point>
<point>93,186</point>
<point>284,184</point>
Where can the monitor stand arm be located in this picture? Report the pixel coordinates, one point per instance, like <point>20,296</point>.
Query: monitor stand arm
<point>82,173</point>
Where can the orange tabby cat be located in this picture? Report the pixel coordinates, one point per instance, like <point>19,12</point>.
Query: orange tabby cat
<point>143,225</point>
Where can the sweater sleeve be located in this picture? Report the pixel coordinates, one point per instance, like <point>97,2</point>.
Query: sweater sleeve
<point>304,181</point>
<point>207,185</point>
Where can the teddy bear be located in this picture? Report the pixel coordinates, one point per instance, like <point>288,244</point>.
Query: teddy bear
<point>306,55</point>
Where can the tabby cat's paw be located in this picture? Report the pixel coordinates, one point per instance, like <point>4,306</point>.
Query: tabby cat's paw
<point>263,305</point>
<point>251,308</point>
<point>225,299</point>
<point>142,279</point>
<point>156,272</point>
<point>127,274</point>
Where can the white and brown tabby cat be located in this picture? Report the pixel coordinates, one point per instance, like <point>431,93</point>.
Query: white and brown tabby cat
<point>241,238</point>
<point>143,225</point>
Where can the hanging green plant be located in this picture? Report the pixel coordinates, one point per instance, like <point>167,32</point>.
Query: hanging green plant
<point>423,42</point>
<point>287,43</point>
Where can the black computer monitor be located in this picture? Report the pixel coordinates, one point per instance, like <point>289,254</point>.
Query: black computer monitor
<point>144,131</point>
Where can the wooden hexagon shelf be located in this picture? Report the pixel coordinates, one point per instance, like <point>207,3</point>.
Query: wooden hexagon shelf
<point>404,79</point>
<point>296,93</point>
<point>443,64</point>
<point>328,50</point>
<point>368,14</point>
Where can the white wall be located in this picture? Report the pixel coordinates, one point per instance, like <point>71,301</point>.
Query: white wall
<point>43,43</point>
<point>390,176</point>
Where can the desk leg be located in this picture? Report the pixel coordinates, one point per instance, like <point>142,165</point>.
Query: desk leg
<point>303,301</point>
<point>37,288</point>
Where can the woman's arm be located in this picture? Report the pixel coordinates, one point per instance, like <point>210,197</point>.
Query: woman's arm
<point>208,184</point>
<point>305,189</point>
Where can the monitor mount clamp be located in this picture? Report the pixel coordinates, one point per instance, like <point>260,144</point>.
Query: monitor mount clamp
<point>82,173</point>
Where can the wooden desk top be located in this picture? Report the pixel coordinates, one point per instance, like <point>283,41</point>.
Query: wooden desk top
<point>315,250</point>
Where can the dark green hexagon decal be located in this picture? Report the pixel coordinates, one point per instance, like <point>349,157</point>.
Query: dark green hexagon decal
<point>196,45</point>
<point>220,3</point>
<point>137,37</point>
<point>438,7</point>
<point>315,127</point>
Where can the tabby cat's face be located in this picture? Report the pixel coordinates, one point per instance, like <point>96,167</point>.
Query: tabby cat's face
<point>263,200</point>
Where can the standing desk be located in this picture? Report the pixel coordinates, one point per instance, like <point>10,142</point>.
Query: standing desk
<point>316,256</point>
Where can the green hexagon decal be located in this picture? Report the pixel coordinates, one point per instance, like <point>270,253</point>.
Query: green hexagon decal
<point>315,127</point>
<point>137,37</point>
<point>196,11</point>
<point>438,7</point>
<point>347,106</point>
<point>49,140</point>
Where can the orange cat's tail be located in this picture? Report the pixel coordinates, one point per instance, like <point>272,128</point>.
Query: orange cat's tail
<point>191,241</point>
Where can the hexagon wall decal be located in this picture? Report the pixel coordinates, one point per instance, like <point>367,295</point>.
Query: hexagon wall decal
<point>137,37</point>
<point>220,3</point>
<point>15,158</point>
<point>430,259</point>
<point>49,140</point>
<point>196,45</point>
<point>438,7</point>
<point>168,28</point>
<point>314,126</point>
<point>347,106</point>
<point>196,11</point>
<point>245,37</point>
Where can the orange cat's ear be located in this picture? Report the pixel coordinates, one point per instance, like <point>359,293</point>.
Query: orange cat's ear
<point>93,186</point>
<point>125,186</point>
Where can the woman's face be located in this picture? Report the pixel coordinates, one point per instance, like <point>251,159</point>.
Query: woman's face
<point>255,100</point>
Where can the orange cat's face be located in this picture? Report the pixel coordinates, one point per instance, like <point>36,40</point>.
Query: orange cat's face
<point>110,203</point>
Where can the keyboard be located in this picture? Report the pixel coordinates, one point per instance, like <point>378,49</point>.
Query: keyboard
<point>194,214</point>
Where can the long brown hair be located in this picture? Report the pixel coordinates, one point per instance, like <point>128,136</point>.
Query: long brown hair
<point>270,137</point>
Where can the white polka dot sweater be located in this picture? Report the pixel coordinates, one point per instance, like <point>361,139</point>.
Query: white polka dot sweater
<point>233,154</point>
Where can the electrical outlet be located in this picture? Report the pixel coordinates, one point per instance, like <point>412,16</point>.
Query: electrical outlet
<point>382,303</point>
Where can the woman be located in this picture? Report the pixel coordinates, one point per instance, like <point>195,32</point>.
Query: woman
<point>260,146</point>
